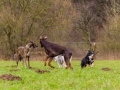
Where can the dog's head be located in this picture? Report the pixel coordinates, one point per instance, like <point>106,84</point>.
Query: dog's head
<point>42,39</point>
<point>90,53</point>
<point>33,44</point>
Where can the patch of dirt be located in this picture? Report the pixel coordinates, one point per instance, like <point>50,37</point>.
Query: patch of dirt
<point>12,66</point>
<point>38,70</point>
<point>42,71</point>
<point>106,69</point>
<point>15,70</point>
<point>32,68</point>
<point>10,77</point>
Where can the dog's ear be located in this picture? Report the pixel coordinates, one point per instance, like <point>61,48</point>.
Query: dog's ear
<point>45,37</point>
<point>31,41</point>
<point>89,51</point>
<point>40,37</point>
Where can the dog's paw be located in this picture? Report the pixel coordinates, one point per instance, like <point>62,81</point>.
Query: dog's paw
<point>45,64</point>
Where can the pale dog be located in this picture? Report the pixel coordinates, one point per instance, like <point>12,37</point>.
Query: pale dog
<point>61,61</point>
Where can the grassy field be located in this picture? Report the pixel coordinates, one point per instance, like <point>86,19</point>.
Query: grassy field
<point>61,79</point>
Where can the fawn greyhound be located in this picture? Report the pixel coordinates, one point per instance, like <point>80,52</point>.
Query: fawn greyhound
<point>24,52</point>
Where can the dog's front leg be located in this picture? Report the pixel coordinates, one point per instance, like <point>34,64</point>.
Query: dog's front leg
<point>45,61</point>
<point>24,61</point>
<point>28,61</point>
<point>17,59</point>
<point>49,63</point>
<point>91,65</point>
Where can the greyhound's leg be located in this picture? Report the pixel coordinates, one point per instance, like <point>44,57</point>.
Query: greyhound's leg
<point>24,61</point>
<point>17,59</point>
<point>17,62</point>
<point>28,62</point>
<point>50,60</point>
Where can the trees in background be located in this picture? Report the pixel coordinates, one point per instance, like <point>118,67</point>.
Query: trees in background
<point>24,20</point>
<point>110,36</point>
<point>92,17</point>
<point>60,20</point>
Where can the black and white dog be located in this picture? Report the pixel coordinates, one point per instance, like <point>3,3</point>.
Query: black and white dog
<point>61,61</point>
<point>88,59</point>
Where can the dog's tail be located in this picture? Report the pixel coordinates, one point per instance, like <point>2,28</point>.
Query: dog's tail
<point>14,57</point>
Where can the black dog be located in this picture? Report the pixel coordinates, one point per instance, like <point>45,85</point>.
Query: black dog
<point>88,59</point>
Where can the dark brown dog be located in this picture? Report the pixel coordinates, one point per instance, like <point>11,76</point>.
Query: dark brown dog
<point>53,50</point>
<point>24,52</point>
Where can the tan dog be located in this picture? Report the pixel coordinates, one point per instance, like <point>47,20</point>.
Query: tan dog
<point>24,52</point>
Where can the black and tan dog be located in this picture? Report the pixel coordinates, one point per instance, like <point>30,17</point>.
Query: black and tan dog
<point>53,50</point>
<point>24,52</point>
<point>88,59</point>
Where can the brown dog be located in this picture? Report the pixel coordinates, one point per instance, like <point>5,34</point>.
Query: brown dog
<point>24,52</point>
<point>53,50</point>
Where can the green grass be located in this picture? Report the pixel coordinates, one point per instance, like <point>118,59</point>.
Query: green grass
<point>62,79</point>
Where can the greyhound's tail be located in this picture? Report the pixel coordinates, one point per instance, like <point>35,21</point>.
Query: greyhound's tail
<point>14,57</point>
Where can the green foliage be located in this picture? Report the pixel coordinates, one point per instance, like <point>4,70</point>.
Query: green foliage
<point>58,79</point>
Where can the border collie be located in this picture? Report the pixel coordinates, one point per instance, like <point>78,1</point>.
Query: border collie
<point>88,59</point>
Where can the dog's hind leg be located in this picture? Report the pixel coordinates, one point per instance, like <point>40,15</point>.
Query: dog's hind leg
<point>70,63</point>
<point>70,66</point>
<point>67,61</point>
